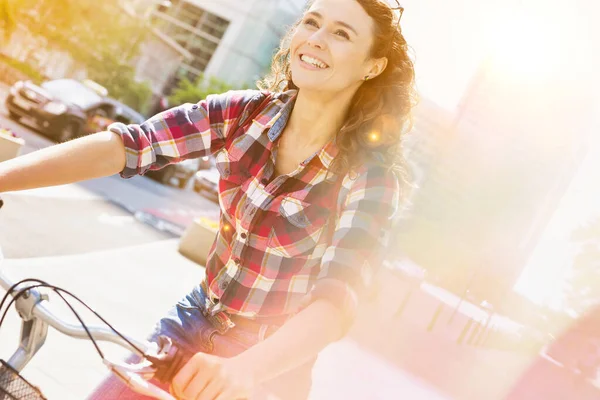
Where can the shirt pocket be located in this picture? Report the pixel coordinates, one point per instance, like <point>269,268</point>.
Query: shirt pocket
<point>298,228</point>
<point>232,178</point>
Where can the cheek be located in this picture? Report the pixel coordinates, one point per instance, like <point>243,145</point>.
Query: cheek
<point>348,62</point>
<point>297,39</point>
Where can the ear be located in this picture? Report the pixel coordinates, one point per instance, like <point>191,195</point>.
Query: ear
<point>378,65</point>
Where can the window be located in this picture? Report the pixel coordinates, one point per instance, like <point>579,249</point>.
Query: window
<point>195,29</point>
<point>189,14</point>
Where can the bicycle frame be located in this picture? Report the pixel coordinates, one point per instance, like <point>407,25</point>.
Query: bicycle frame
<point>37,318</point>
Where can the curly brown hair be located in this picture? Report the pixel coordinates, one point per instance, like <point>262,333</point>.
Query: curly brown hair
<point>380,113</point>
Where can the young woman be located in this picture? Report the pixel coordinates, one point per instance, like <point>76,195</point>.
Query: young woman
<point>311,176</point>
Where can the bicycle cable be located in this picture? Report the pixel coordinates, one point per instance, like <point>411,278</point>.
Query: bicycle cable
<point>58,291</point>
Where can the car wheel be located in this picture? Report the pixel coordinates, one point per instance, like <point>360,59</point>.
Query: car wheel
<point>68,132</point>
<point>14,116</point>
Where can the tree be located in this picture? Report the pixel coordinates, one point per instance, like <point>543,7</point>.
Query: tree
<point>88,30</point>
<point>583,288</point>
<point>192,92</point>
<point>7,19</point>
<point>121,85</point>
<point>97,34</point>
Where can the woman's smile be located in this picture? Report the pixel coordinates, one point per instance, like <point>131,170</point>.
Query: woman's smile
<point>312,62</point>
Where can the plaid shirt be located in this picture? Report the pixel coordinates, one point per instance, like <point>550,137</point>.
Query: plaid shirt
<point>286,240</point>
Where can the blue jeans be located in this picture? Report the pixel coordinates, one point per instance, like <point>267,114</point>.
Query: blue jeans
<point>186,325</point>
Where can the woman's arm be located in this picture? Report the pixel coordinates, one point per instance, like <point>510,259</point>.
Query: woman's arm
<point>298,341</point>
<point>208,377</point>
<point>93,156</point>
<point>186,131</point>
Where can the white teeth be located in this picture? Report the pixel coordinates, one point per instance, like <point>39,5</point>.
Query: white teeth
<point>313,61</point>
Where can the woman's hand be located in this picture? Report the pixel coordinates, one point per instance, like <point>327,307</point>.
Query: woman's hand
<point>208,377</point>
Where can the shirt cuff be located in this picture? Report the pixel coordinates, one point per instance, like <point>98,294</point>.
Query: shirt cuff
<point>128,134</point>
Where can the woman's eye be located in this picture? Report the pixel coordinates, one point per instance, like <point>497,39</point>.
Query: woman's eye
<point>311,21</point>
<point>343,34</point>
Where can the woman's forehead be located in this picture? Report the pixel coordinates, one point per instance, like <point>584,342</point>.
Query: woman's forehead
<point>347,11</point>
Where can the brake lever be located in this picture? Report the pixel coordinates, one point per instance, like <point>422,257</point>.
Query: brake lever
<point>168,359</point>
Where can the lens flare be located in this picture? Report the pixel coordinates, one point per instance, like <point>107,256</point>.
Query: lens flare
<point>374,137</point>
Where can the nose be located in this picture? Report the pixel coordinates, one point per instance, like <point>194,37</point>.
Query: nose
<point>315,40</point>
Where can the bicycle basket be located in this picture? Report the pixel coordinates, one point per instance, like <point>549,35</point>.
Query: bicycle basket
<point>14,387</point>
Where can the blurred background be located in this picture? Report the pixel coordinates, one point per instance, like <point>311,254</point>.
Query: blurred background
<point>492,279</point>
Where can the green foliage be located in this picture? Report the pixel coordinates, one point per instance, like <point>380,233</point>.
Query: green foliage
<point>25,68</point>
<point>98,34</point>
<point>7,19</point>
<point>81,27</point>
<point>192,92</point>
<point>121,85</point>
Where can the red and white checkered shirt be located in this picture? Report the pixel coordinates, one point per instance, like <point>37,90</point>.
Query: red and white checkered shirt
<point>286,240</point>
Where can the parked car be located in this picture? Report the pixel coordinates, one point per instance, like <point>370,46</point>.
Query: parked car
<point>125,114</point>
<point>178,174</point>
<point>62,109</point>
<point>206,182</point>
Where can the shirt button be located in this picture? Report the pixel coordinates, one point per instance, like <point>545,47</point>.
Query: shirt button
<point>195,107</point>
<point>243,236</point>
<point>223,285</point>
<point>237,261</point>
<point>264,181</point>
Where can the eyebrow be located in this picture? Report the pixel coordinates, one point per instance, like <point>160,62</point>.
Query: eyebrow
<point>342,23</point>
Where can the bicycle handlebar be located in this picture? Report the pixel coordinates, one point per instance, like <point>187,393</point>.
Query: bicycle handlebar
<point>37,317</point>
<point>30,306</point>
<point>31,310</point>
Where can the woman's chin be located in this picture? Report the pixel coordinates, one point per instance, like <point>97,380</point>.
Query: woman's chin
<point>308,83</point>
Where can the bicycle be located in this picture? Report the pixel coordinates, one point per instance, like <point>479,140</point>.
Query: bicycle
<point>159,360</point>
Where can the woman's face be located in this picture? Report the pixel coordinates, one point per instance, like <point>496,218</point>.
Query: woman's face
<point>330,49</point>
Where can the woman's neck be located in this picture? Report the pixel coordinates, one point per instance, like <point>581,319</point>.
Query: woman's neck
<point>317,117</point>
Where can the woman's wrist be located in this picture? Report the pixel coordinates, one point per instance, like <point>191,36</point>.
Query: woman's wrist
<point>297,341</point>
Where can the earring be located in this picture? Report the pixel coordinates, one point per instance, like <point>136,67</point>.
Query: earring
<point>366,78</point>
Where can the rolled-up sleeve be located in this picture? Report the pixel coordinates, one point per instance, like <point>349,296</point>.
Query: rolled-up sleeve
<point>183,132</point>
<point>361,233</point>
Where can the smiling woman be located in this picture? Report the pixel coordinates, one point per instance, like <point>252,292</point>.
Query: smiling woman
<point>326,49</point>
<point>311,175</point>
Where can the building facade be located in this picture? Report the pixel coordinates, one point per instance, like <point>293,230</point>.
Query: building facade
<point>231,40</point>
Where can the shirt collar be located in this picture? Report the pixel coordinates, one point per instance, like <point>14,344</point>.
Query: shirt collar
<point>328,153</point>
<point>276,116</point>
<point>277,113</point>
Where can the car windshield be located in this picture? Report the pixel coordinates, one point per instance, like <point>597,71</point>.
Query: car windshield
<point>71,91</point>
